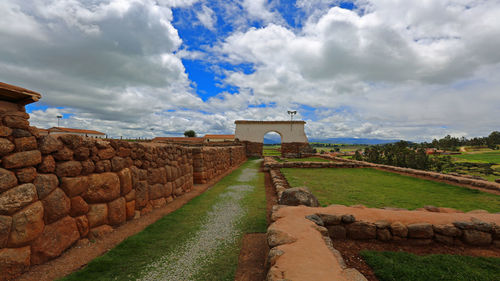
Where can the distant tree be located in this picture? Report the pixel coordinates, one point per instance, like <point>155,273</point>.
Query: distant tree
<point>190,134</point>
<point>357,156</point>
<point>493,140</point>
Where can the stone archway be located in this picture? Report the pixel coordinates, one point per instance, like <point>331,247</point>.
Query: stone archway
<point>293,137</point>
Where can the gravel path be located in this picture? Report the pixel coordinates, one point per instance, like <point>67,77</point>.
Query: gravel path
<point>217,230</point>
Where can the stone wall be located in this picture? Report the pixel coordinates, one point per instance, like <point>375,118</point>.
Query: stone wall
<point>295,149</point>
<point>57,190</point>
<point>253,149</point>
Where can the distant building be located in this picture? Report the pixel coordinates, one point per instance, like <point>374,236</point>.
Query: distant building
<point>218,138</point>
<point>78,132</point>
<point>43,132</point>
<point>178,140</point>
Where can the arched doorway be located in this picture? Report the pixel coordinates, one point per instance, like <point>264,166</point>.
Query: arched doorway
<point>272,144</point>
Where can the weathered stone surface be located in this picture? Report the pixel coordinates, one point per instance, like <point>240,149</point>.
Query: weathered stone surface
<point>16,198</point>
<point>72,141</point>
<point>130,196</point>
<point>26,175</point>
<point>464,224</point>
<point>330,219</point>
<point>103,166</point>
<point>21,133</point>
<point>97,215</point>
<point>48,164</point>
<point>361,230</point>
<point>7,180</point>
<point>68,169</point>
<point>117,211</point>
<point>5,131</point>
<point>276,237</point>
<point>106,153</point>
<point>398,229</point>
<point>74,186</point>
<point>316,219</point>
<point>382,224</point>
<point>130,209</point>
<point>22,159</point>
<point>448,230</point>
<point>337,232</point>
<point>158,203</point>
<point>420,230</point>
<point>348,219</point>
<point>82,223</point>
<point>123,152</point>
<point>273,256</point>
<point>27,224</point>
<point>81,153</point>
<point>155,191</point>
<point>56,205</point>
<point>481,225</point>
<point>100,231</point>
<point>118,163</point>
<point>88,167</point>
<point>383,234</point>
<point>6,147</point>
<point>45,184</point>
<point>63,154</point>
<point>167,189</point>
<point>125,177</point>
<point>78,206</point>
<point>141,194</point>
<point>102,188</point>
<point>447,240</point>
<point>298,196</point>
<point>5,225</point>
<point>15,121</point>
<point>13,262</point>
<point>25,144</point>
<point>476,237</point>
<point>56,238</point>
<point>49,144</point>
<point>147,209</point>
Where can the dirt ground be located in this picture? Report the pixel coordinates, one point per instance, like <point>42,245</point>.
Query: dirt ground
<point>81,254</point>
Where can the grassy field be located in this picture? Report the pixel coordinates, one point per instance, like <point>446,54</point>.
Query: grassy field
<point>167,237</point>
<point>271,150</point>
<point>401,266</point>
<point>306,159</point>
<point>484,157</point>
<point>374,188</point>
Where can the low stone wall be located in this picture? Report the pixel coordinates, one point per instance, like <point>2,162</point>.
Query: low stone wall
<point>278,165</point>
<point>253,149</point>
<point>295,149</point>
<point>209,162</point>
<point>453,179</point>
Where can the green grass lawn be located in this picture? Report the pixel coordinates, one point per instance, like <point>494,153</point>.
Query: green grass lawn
<point>133,255</point>
<point>402,266</point>
<point>486,157</point>
<point>271,151</point>
<point>374,188</point>
<point>306,159</point>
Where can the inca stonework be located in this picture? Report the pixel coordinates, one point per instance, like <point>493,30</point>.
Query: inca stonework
<point>57,190</point>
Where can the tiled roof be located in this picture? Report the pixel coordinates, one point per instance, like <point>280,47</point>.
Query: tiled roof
<point>219,136</point>
<point>71,130</point>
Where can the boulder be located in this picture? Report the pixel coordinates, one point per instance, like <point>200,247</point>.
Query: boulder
<point>26,175</point>
<point>5,131</point>
<point>141,194</point>
<point>98,214</point>
<point>130,209</point>
<point>6,147</point>
<point>13,262</point>
<point>49,144</point>
<point>398,229</point>
<point>420,230</point>
<point>16,198</point>
<point>68,169</point>
<point>22,159</point>
<point>63,154</point>
<point>103,187</point>
<point>125,177</point>
<point>74,186</point>
<point>447,229</point>
<point>15,121</point>
<point>330,219</point>
<point>82,223</point>
<point>45,184</point>
<point>348,219</point>
<point>383,234</point>
<point>118,163</point>
<point>106,153</point>
<point>48,164</point>
<point>155,191</point>
<point>117,211</point>
<point>130,196</point>
<point>56,205</point>
<point>103,166</point>
<point>361,230</point>
<point>81,153</point>
<point>25,144</point>
<point>298,196</point>
<point>88,167</point>
<point>5,225</point>
<point>276,237</point>
<point>476,237</point>
<point>21,133</point>
<point>78,206</point>
<point>316,219</point>
<point>56,238</point>
<point>7,180</point>
<point>27,224</point>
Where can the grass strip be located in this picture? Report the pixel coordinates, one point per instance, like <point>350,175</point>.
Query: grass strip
<point>401,266</point>
<point>134,254</point>
<point>375,188</point>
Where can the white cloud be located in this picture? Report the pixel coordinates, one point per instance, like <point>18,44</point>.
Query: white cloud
<point>207,17</point>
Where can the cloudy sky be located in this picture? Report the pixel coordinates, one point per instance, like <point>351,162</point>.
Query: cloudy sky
<point>390,69</point>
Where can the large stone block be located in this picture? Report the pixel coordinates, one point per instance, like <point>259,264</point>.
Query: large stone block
<point>45,184</point>
<point>48,165</point>
<point>27,224</point>
<point>106,153</point>
<point>155,191</point>
<point>476,237</point>
<point>5,225</point>
<point>22,159</point>
<point>420,230</point>
<point>6,147</point>
<point>398,229</point>
<point>56,205</point>
<point>25,144</point>
<point>125,177</point>
<point>13,262</point>
<point>15,121</point>
<point>78,206</point>
<point>102,188</point>
<point>68,169</point>
<point>141,194</point>
<point>88,167</point>
<point>361,230</point>
<point>81,153</point>
<point>118,163</point>
<point>5,131</point>
<point>298,196</point>
<point>16,198</point>
<point>83,225</point>
<point>117,211</point>
<point>49,144</point>
<point>97,215</point>
<point>130,209</point>
<point>74,186</point>
<point>448,230</point>
<point>63,154</point>
<point>56,238</point>
<point>7,180</point>
<point>26,175</point>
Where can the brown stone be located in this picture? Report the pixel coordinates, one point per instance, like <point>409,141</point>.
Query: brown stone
<point>45,184</point>
<point>155,191</point>
<point>73,141</point>
<point>383,234</point>
<point>103,166</point>
<point>25,144</point>
<point>102,188</point>
<point>158,203</point>
<point>27,224</point>
<point>63,154</point>
<point>117,211</point>
<point>68,169</point>
<point>20,133</point>
<point>330,219</point>
<point>154,176</point>
<point>276,237</point>
<point>83,225</point>
<point>5,131</point>
<point>125,177</point>
<point>49,144</point>
<point>6,147</point>
<point>78,206</point>
<point>5,225</point>
<point>130,209</point>
<point>141,194</point>
<point>22,159</point>
<point>476,237</point>
<point>81,153</point>
<point>56,238</point>
<point>26,175</point>
<point>447,229</point>
<point>106,153</point>
<point>399,229</point>
<point>7,180</point>
<point>147,209</point>
<point>361,230</point>
<point>447,240</point>
<point>123,152</point>
<point>15,121</point>
<point>16,198</point>
<point>13,262</point>
<point>337,232</point>
<point>56,205</point>
<point>130,196</point>
<point>118,164</point>
<point>48,164</point>
<point>88,167</point>
<point>100,231</point>
<point>98,214</point>
<point>74,185</point>
<point>420,230</point>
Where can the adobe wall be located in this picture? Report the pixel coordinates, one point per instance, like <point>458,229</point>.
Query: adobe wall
<point>55,190</point>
